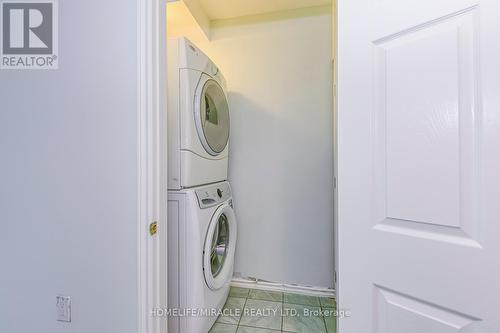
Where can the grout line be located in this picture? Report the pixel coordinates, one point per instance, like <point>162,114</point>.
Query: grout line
<point>242,309</point>
<point>324,320</point>
<point>282,308</point>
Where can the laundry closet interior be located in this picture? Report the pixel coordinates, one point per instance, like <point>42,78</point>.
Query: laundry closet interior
<point>276,61</point>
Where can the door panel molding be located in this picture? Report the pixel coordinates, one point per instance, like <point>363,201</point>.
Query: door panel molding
<point>396,312</point>
<point>424,123</point>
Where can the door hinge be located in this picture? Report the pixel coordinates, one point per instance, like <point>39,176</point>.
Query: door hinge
<point>334,182</point>
<point>153,228</point>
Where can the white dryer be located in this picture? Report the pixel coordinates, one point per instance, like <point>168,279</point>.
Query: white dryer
<point>201,245</point>
<point>198,117</point>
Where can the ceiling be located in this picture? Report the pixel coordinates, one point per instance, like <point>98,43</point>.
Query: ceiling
<point>181,22</point>
<point>225,9</point>
<point>179,17</point>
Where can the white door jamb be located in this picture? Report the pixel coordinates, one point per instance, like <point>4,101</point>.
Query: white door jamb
<point>152,166</point>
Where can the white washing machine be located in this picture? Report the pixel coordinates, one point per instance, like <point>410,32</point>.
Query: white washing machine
<point>201,244</point>
<point>198,117</point>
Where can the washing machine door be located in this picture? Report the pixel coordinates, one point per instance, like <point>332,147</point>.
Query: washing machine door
<point>220,244</point>
<point>211,115</point>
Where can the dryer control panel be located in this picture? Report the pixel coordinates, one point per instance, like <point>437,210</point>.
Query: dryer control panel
<point>213,195</point>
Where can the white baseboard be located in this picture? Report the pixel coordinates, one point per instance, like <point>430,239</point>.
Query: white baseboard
<point>289,288</point>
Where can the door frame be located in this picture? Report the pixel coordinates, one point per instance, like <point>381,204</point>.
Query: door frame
<point>151,164</point>
<point>335,153</point>
<point>152,161</point>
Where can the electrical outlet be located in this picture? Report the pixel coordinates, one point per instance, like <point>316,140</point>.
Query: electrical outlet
<point>63,308</point>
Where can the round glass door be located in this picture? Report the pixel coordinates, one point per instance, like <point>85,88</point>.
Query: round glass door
<point>213,118</point>
<point>219,248</point>
<point>220,244</point>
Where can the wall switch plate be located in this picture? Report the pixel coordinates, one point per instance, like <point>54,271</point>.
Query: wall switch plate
<point>63,308</point>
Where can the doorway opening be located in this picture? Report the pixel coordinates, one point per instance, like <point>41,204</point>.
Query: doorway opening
<point>279,69</point>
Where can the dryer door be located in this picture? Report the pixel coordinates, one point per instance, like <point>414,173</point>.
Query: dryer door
<point>211,115</point>
<point>220,244</point>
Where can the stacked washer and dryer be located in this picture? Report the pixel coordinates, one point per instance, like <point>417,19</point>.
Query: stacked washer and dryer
<point>201,220</point>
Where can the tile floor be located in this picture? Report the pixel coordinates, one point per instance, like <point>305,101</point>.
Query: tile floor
<point>258,311</point>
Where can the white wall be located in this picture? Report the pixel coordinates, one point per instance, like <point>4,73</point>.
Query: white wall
<point>68,191</point>
<point>278,69</point>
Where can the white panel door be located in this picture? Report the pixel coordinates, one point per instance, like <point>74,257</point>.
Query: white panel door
<point>419,166</point>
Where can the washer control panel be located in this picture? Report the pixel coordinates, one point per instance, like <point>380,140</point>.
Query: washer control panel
<point>213,195</point>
